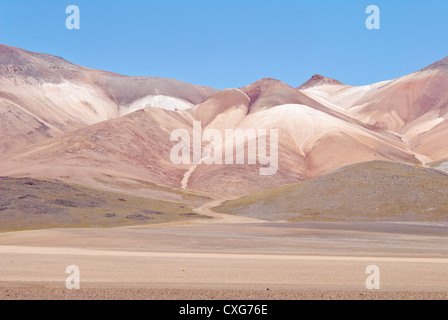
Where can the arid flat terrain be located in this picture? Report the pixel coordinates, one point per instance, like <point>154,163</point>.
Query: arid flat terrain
<point>229,261</point>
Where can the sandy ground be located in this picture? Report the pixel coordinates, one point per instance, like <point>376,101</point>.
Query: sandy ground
<point>234,259</point>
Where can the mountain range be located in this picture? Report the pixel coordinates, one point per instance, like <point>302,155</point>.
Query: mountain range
<point>112,132</point>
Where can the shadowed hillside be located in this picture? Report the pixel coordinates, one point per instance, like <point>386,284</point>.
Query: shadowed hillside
<point>27,204</point>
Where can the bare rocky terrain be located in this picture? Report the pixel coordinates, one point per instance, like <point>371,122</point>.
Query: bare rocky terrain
<point>85,124</point>
<point>28,204</point>
<point>86,179</point>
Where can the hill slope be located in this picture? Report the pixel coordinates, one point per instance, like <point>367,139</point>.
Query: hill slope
<point>373,191</point>
<point>44,97</point>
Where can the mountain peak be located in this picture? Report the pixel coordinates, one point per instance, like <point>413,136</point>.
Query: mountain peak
<point>16,62</point>
<point>266,86</point>
<point>441,64</point>
<point>318,80</point>
<point>268,82</point>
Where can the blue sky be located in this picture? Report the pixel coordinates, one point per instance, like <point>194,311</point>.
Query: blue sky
<point>233,43</point>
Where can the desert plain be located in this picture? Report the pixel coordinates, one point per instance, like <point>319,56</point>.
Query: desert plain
<point>229,257</point>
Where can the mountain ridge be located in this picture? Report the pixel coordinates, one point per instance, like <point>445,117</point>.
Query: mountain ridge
<point>86,124</point>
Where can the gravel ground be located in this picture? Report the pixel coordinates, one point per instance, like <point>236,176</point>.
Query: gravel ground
<point>42,293</point>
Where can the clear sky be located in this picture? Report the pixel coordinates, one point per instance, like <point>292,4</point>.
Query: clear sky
<point>233,43</point>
